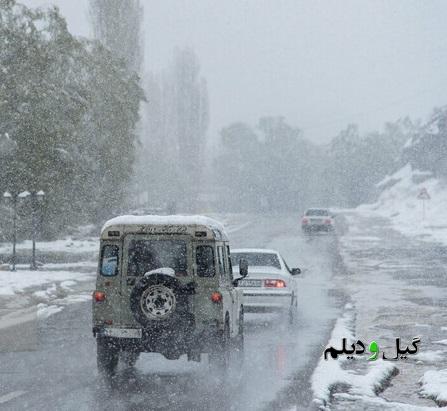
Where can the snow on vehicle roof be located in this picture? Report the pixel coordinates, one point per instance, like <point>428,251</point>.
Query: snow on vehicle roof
<point>254,250</point>
<point>165,220</point>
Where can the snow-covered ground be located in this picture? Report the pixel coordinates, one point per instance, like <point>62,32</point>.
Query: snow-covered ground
<point>332,373</point>
<point>397,287</point>
<point>28,295</point>
<point>399,202</point>
<point>434,383</point>
<point>67,245</point>
<point>13,282</point>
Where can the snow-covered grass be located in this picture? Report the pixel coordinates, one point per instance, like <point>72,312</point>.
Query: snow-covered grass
<point>399,202</point>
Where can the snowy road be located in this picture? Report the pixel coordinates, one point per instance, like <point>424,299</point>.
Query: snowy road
<point>61,373</point>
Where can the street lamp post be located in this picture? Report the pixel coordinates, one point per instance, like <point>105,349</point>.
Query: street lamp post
<point>36,196</point>
<point>12,198</point>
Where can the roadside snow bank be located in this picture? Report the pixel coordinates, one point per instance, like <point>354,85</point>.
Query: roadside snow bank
<point>44,310</point>
<point>67,245</point>
<point>399,202</point>
<point>434,386</point>
<point>12,282</point>
<point>330,374</point>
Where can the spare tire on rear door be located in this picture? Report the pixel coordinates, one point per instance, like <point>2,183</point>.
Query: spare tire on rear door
<point>159,300</point>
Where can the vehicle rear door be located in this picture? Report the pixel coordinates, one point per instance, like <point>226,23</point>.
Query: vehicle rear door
<point>109,279</point>
<point>134,266</point>
<point>207,280</point>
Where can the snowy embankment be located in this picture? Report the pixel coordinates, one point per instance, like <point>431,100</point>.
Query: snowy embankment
<point>15,282</point>
<point>44,291</point>
<point>67,245</point>
<point>333,373</point>
<point>434,385</point>
<point>399,202</point>
<point>53,285</point>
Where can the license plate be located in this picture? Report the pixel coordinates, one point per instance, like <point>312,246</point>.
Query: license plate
<point>250,283</point>
<point>315,221</point>
<point>122,332</point>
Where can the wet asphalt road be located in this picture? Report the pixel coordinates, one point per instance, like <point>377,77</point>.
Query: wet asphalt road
<point>61,373</point>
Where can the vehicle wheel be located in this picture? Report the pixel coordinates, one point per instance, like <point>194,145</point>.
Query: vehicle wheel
<point>219,358</point>
<point>107,354</point>
<point>129,358</point>
<point>240,338</point>
<point>238,365</point>
<point>293,311</point>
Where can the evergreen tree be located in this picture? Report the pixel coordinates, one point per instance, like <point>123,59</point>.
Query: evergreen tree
<point>58,135</point>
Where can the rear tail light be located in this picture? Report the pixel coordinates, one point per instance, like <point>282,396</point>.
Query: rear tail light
<point>274,283</point>
<point>328,221</point>
<point>304,220</point>
<point>99,296</point>
<point>216,297</point>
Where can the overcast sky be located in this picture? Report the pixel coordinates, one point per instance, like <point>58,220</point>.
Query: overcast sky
<point>321,64</point>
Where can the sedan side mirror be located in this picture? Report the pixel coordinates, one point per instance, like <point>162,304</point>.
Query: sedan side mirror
<point>243,268</point>
<point>295,271</point>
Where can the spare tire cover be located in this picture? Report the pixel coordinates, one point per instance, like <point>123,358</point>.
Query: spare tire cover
<point>156,299</point>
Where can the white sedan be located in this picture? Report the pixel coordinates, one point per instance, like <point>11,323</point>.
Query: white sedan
<point>317,219</point>
<point>270,285</point>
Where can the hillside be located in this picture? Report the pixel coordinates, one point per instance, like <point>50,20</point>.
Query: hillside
<point>399,202</point>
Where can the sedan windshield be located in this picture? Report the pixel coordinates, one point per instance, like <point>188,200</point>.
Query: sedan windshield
<point>257,259</point>
<point>148,255</point>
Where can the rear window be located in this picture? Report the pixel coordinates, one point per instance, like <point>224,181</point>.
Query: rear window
<point>256,259</point>
<point>205,261</point>
<point>317,212</point>
<point>148,255</point>
<point>109,260</point>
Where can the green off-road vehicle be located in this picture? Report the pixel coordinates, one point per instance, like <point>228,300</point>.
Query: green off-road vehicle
<point>165,285</point>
